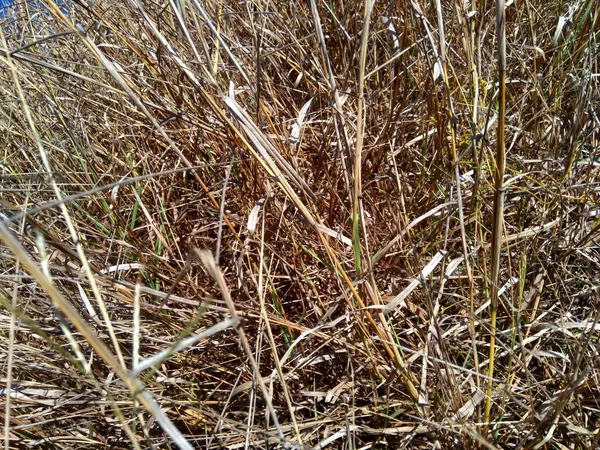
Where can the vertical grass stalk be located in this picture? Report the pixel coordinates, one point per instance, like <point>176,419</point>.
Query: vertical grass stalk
<point>499,197</point>
<point>357,194</point>
<point>456,172</point>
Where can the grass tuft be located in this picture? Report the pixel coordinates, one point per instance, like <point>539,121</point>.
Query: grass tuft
<point>300,224</point>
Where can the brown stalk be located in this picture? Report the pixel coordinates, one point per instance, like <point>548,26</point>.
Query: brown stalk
<point>498,218</point>
<point>456,171</point>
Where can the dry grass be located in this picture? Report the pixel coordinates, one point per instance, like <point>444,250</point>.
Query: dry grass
<point>269,225</point>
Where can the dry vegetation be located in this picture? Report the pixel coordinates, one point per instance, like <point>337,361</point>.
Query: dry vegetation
<point>253,224</point>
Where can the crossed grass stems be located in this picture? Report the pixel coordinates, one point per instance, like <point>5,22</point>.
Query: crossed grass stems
<point>363,298</point>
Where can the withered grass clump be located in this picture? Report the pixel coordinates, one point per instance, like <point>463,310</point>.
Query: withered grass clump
<point>231,224</point>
